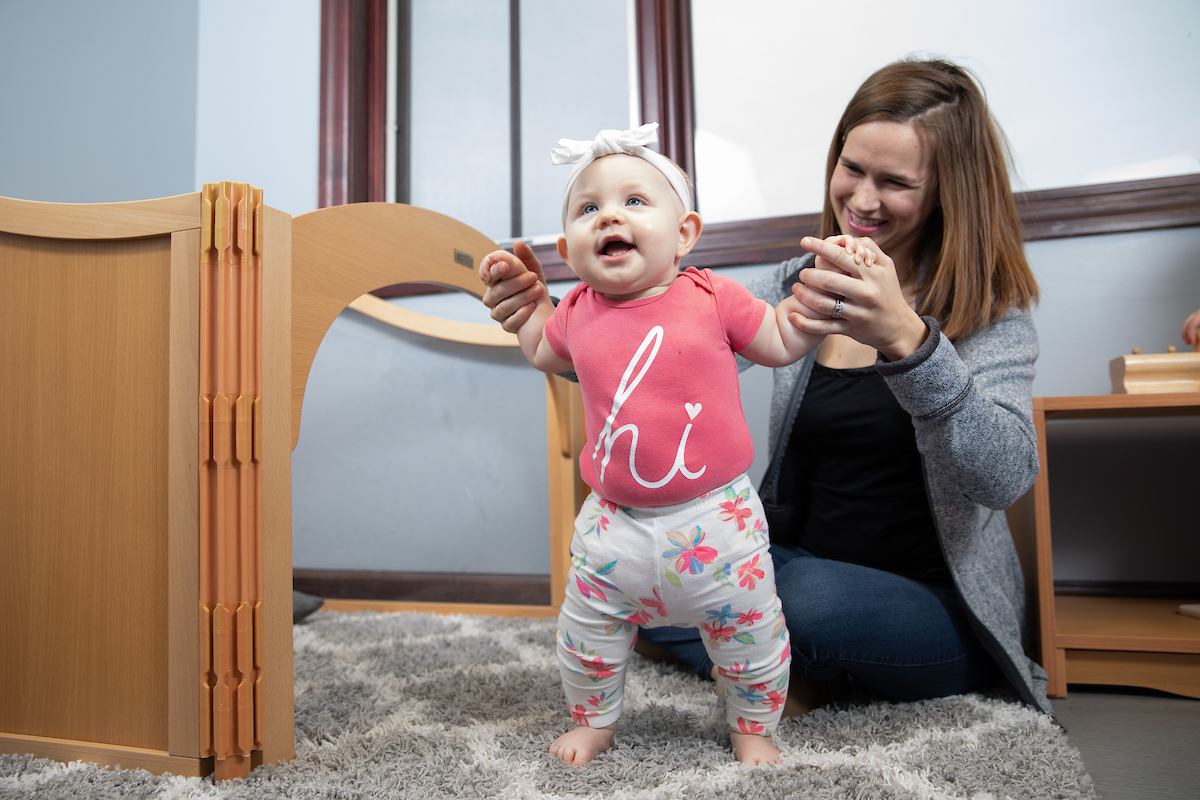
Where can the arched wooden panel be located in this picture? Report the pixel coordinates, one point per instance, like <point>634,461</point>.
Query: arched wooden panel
<point>343,252</point>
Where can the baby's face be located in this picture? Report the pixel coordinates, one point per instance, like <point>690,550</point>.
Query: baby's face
<point>624,228</point>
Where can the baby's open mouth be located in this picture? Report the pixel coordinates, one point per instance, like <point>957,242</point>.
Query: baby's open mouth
<point>615,248</point>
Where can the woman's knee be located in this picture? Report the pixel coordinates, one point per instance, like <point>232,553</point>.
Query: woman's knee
<point>812,595</point>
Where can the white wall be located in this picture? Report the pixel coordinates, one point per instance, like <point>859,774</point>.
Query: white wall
<point>257,98</point>
<point>1087,91</point>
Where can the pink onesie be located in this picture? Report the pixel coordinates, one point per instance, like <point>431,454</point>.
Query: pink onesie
<point>660,388</point>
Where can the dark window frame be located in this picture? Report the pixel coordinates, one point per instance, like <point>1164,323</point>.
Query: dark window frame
<point>353,144</point>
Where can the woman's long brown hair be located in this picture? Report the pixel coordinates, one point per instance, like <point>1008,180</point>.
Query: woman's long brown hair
<point>970,260</point>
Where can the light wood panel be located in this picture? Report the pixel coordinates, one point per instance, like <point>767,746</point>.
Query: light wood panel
<point>1126,623</point>
<point>436,327</point>
<point>398,606</point>
<point>276,701</point>
<point>565,441</point>
<point>156,762</point>
<point>1052,662</point>
<point>1101,406</point>
<point>100,220</point>
<point>183,495</point>
<point>1178,673</point>
<point>84,344</point>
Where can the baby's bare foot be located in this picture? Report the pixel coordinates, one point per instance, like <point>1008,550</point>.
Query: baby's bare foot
<point>753,749</point>
<point>581,745</point>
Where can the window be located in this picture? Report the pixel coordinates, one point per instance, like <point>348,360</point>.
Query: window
<point>453,68</point>
<point>758,192</point>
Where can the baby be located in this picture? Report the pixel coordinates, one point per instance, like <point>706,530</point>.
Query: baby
<point>673,532</point>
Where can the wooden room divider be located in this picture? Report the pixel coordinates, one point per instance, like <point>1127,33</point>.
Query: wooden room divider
<point>154,357</point>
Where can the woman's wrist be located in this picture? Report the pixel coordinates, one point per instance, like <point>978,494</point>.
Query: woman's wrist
<point>912,335</point>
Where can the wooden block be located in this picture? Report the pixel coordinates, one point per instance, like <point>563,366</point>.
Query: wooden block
<point>1146,373</point>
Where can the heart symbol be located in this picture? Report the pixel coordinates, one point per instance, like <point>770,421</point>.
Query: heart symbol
<point>693,409</point>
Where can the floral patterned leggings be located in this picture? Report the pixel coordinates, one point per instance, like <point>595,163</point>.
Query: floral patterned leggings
<point>700,564</point>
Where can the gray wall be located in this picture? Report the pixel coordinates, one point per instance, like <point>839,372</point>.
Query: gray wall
<point>97,100</point>
<point>426,456</point>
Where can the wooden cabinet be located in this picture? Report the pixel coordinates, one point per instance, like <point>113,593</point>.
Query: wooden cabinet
<point>1139,641</point>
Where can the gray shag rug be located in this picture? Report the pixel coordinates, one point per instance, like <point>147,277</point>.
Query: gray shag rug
<point>422,706</point>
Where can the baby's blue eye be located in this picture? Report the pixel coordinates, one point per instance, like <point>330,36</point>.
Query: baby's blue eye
<point>634,201</point>
<point>589,208</point>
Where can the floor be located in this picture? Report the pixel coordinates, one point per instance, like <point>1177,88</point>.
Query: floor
<point>1137,745</point>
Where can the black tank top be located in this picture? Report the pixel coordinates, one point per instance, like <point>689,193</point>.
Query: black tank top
<point>851,480</point>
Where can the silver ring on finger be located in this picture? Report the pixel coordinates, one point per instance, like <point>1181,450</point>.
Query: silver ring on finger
<point>837,309</point>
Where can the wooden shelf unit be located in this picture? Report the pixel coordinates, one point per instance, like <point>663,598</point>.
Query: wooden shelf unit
<point>1123,641</point>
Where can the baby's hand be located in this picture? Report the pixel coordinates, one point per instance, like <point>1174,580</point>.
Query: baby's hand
<point>861,250</point>
<point>498,265</point>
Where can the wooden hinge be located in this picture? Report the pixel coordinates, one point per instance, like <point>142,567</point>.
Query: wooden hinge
<point>230,456</point>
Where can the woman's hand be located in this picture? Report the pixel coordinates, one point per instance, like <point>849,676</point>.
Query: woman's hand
<point>512,297</point>
<point>1191,328</point>
<point>874,309</point>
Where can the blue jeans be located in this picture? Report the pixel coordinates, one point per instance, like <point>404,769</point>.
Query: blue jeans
<point>896,637</point>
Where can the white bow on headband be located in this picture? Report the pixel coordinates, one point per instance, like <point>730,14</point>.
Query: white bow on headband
<point>607,143</point>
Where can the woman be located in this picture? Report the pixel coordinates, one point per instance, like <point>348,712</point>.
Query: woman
<point>897,445</point>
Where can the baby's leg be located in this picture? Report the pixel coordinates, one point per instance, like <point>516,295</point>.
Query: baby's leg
<point>729,594</point>
<point>592,663</point>
<point>595,634</point>
<point>754,678</point>
<point>748,642</point>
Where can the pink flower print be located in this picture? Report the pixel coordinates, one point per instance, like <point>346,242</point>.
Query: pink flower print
<point>758,532</point>
<point>599,526</point>
<point>738,672</point>
<point>750,727</point>
<point>718,632</point>
<point>597,669</point>
<point>732,510</point>
<point>734,672</point>
<point>689,555</point>
<point>609,504</point>
<point>749,574</point>
<point>776,698</point>
<point>579,715</point>
<point>629,620</point>
<point>601,704</point>
<point>655,602</point>
<point>749,617</point>
<point>582,715</point>
<point>590,583</point>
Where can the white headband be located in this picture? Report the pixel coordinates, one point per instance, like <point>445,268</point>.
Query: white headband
<point>607,143</point>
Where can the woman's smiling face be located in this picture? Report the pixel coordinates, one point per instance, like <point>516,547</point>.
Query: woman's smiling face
<point>885,186</point>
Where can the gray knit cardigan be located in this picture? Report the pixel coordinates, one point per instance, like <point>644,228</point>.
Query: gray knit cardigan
<point>972,410</point>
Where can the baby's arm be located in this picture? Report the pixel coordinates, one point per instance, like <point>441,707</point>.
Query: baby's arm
<point>531,335</point>
<point>779,342</point>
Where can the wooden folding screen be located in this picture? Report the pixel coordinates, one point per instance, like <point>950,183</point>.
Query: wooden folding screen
<point>151,399</point>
